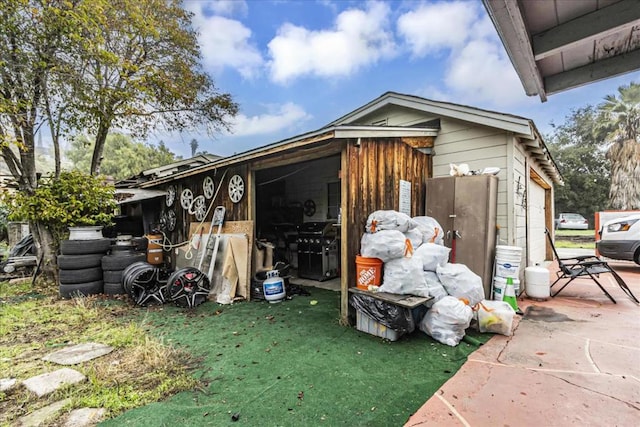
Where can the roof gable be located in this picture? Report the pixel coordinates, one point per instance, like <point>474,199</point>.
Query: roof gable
<point>518,125</point>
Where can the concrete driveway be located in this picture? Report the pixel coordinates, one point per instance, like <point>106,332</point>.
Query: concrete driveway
<point>572,360</point>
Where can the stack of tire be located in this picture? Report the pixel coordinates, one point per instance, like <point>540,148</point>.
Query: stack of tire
<point>80,267</point>
<point>122,254</point>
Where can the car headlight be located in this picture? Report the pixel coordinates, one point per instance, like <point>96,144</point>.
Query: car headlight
<point>623,225</point>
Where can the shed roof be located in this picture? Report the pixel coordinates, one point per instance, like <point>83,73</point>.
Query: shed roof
<point>556,45</point>
<point>348,126</point>
<point>524,129</point>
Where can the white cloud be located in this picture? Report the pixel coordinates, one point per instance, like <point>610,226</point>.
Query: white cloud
<point>225,7</point>
<point>281,117</point>
<point>226,43</point>
<point>358,38</point>
<point>481,72</point>
<point>435,27</point>
<point>476,70</point>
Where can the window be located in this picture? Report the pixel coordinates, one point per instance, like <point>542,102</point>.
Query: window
<point>333,200</point>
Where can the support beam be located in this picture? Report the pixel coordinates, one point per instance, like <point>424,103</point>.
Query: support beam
<point>587,28</point>
<point>600,70</point>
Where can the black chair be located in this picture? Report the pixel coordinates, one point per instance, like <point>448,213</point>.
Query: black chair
<point>588,266</point>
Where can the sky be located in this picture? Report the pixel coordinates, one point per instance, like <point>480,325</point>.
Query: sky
<point>295,66</point>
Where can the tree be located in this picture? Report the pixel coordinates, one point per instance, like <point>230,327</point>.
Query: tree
<point>93,65</point>
<point>619,126</point>
<point>194,147</point>
<point>138,67</point>
<point>123,157</point>
<point>581,160</point>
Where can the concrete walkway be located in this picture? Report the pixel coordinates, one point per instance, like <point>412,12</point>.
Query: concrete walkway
<point>572,360</point>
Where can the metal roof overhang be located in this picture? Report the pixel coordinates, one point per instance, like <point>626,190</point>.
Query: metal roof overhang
<point>304,140</point>
<point>556,45</point>
<point>132,195</point>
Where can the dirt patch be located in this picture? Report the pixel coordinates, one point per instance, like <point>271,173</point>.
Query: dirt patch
<point>545,314</point>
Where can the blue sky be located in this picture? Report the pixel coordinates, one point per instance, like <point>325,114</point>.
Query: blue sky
<point>294,66</point>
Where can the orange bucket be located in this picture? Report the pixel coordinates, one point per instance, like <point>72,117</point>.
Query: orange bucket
<point>368,272</point>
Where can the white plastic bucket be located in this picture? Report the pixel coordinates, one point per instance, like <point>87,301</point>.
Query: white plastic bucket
<point>536,280</point>
<point>508,260</point>
<point>499,285</point>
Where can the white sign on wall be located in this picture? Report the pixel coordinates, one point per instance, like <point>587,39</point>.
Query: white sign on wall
<point>405,197</point>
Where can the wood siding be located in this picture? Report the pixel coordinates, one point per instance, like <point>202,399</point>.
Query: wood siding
<point>375,168</point>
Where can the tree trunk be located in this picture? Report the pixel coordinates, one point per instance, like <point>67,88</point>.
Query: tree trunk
<point>98,149</point>
<point>45,249</point>
<point>624,193</point>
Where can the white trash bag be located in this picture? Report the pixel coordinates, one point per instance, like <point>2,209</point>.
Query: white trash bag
<point>447,320</point>
<point>415,237</point>
<point>436,290</point>
<point>495,317</point>
<point>385,245</point>
<point>432,256</point>
<point>431,230</point>
<point>389,220</point>
<point>461,282</point>
<point>404,276</point>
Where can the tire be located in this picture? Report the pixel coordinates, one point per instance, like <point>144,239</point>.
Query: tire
<point>114,288</point>
<point>122,249</point>
<point>76,262</point>
<point>81,289</point>
<point>83,247</point>
<point>120,262</point>
<point>84,275</point>
<point>112,276</point>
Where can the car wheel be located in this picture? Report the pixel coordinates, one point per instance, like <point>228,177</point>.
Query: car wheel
<point>81,289</point>
<point>84,275</point>
<point>636,257</point>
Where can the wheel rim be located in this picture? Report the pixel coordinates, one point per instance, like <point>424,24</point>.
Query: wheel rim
<point>186,199</point>
<point>208,186</point>
<point>171,195</point>
<point>143,286</point>
<point>198,206</point>
<point>168,220</point>
<point>188,287</point>
<point>236,188</point>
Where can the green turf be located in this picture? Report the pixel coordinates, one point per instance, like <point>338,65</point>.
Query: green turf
<point>292,364</point>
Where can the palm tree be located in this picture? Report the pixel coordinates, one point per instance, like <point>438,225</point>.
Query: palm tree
<point>619,126</point>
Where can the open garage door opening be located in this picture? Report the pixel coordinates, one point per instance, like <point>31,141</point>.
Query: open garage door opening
<point>297,212</point>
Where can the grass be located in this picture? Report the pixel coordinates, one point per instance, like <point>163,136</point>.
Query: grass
<point>290,363</point>
<point>575,239</point>
<point>140,370</point>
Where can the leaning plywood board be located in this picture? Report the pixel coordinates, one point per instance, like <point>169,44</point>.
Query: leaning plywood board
<point>190,255</point>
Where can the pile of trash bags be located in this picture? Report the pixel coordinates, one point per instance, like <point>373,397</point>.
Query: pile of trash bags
<point>416,262</point>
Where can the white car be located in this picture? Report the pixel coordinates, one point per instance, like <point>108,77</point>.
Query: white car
<point>571,221</point>
<point>620,239</point>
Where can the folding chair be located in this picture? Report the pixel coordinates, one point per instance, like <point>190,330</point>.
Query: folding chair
<point>588,266</point>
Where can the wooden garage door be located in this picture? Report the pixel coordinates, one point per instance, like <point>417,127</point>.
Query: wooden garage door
<point>536,240</point>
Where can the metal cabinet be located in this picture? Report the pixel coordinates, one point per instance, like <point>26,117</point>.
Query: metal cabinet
<point>466,209</point>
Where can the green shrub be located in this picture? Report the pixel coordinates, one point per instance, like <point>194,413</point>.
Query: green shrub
<point>73,199</point>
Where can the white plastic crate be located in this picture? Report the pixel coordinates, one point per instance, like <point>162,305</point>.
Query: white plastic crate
<point>366,324</point>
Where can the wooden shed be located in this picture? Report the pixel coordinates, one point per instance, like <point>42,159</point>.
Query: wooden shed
<point>379,156</point>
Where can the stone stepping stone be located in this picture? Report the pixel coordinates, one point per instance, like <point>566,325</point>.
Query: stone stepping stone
<point>38,417</point>
<point>78,353</point>
<point>84,417</point>
<point>51,381</point>
<point>7,383</point>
